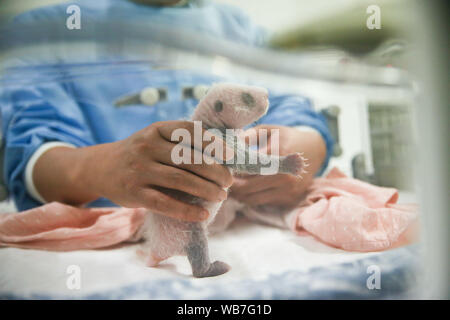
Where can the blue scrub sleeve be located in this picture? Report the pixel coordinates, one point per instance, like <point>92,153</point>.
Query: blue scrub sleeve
<point>30,117</point>
<point>292,110</point>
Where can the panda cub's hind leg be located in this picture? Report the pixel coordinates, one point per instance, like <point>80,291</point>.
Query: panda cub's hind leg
<point>198,255</point>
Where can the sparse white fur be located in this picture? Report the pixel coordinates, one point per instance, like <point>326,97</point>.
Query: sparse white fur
<point>240,105</point>
<point>165,236</point>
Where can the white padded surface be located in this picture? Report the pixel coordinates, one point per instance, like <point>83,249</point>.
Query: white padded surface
<point>253,251</point>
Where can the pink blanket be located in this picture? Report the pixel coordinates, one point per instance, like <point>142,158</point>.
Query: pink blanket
<point>60,227</point>
<point>340,211</point>
<point>354,215</point>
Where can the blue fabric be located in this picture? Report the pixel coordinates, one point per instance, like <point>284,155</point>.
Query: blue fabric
<point>400,277</point>
<point>205,17</point>
<point>61,105</point>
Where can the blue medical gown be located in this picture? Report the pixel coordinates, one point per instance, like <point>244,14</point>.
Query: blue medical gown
<point>79,110</point>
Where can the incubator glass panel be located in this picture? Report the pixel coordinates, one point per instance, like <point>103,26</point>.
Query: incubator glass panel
<point>81,72</point>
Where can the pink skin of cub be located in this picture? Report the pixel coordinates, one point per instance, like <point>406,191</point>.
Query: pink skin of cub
<point>225,105</point>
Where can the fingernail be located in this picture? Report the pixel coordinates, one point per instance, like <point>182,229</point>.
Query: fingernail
<point>223,195</point>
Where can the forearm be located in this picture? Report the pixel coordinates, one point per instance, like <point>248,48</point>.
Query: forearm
<point>310,143</point>
<point>67,174</point>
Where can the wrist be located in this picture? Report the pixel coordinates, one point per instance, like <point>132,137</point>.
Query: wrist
<point>86,173</point>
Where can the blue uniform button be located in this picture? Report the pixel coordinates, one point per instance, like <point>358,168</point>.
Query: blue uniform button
<point>148,96</point>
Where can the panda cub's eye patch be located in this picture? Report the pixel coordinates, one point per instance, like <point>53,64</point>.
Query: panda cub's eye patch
<point>248,99</point>
<point>218,106</point>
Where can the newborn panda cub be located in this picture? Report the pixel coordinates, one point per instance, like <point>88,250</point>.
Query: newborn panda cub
<point>225,106</point>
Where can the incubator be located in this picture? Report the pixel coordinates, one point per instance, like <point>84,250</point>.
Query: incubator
<point>377,96</point>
